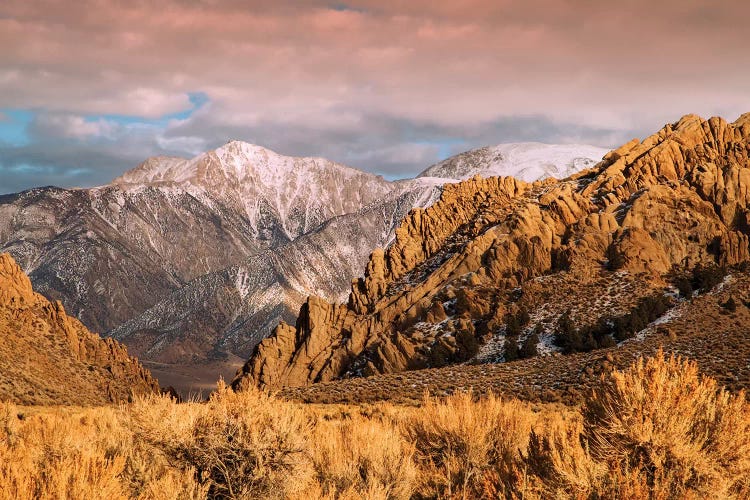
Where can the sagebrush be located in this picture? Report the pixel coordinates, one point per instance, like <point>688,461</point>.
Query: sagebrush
<point>656,430</point>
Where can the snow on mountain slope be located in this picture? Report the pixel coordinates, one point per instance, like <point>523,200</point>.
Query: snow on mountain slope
<point>528,161</point>
<point>299,193</point>
<point>233,309</point>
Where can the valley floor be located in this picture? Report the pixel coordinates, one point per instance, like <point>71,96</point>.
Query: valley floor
<point>194,381</point>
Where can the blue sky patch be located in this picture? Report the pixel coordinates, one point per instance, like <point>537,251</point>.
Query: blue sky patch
<point>197,101</point>
<point>14,125</point>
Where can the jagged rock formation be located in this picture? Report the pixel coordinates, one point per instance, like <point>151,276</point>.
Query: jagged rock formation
<point>674,201</point>
<point>701,329</point>
<point>187,261</point>
<point>48,357</point>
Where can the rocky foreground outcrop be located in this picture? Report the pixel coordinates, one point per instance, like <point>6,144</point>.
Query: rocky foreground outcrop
<point>48,357</point>
<point>677,200</point>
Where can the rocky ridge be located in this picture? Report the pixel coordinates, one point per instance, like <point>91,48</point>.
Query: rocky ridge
<point>48,357</point>
<point>674,201</point>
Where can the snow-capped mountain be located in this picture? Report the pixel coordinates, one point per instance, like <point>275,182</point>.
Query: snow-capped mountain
<point>186,260</point>
<point>294,195</point>
<point>528,161</point>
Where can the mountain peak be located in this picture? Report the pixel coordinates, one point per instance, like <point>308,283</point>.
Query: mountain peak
<point>236,161</point>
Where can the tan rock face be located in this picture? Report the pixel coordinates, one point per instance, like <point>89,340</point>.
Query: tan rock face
<point>47,357</point>
<point>677,199</point>
<point>16,289</point>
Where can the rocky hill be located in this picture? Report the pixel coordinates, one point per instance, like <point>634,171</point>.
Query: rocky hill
<point>192,262</point>
<point>499,268</point>
<point>48,357</point>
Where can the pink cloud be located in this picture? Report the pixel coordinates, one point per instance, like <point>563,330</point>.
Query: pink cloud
<point>602,64</point>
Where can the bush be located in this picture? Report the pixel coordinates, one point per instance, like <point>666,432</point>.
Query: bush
<point>459,440</point>
<point>364,459</point>
<point>515,323</point>
<point>730,305</point>
<point>567,335</point>
<point>657,430</point>
<point>440,355</point>
<point>647,310</point>
<point>240,444</point>
<point>510,349</point>
<point>467,343</point>
<point>705,277</point>
<point>606,331</point>
<point>684,287</point>
<point>673,428</point>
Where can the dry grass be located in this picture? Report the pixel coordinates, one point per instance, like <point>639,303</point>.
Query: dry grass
<point>655,430</point>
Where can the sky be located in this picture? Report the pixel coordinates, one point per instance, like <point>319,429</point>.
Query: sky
<point>89,89</point>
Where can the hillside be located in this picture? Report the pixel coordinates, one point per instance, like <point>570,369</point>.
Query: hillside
<point>50,358</point>
<point>574,265</point>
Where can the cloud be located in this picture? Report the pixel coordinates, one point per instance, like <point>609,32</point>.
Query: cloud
<point>383,87</point>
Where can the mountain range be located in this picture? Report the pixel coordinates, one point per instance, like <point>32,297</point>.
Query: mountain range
<point>192,262</point>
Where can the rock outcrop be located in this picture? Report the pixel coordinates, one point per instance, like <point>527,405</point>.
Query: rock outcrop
<point>674,201</point>
<point>48,357</point>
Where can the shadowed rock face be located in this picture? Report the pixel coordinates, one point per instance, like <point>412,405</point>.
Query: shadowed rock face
<point>674,201</point>
<point>48,357</point>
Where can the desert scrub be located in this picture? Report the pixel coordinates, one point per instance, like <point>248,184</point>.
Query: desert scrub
<point>458,440</point>
<point>50,456</point>
<point>242,445</point>
<point>362,457</point>
<point>657,430</point>
<point>678,431</point>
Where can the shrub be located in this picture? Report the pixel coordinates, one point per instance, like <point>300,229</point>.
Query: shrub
<point>567,335</point>
<point>657,430</point>
<point>515,323</point>
<point>241,444</point>
<point>513,327</point>
<point>467,343</point>
<point>684,287</point>
<point>730,305</point>
<point>510,349</point>
<point>363,458</point>
<point>705,277</point>
<point>647,309</point>
<point>440,354</point>
<point>661,422</point>
<point>459,440</point>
